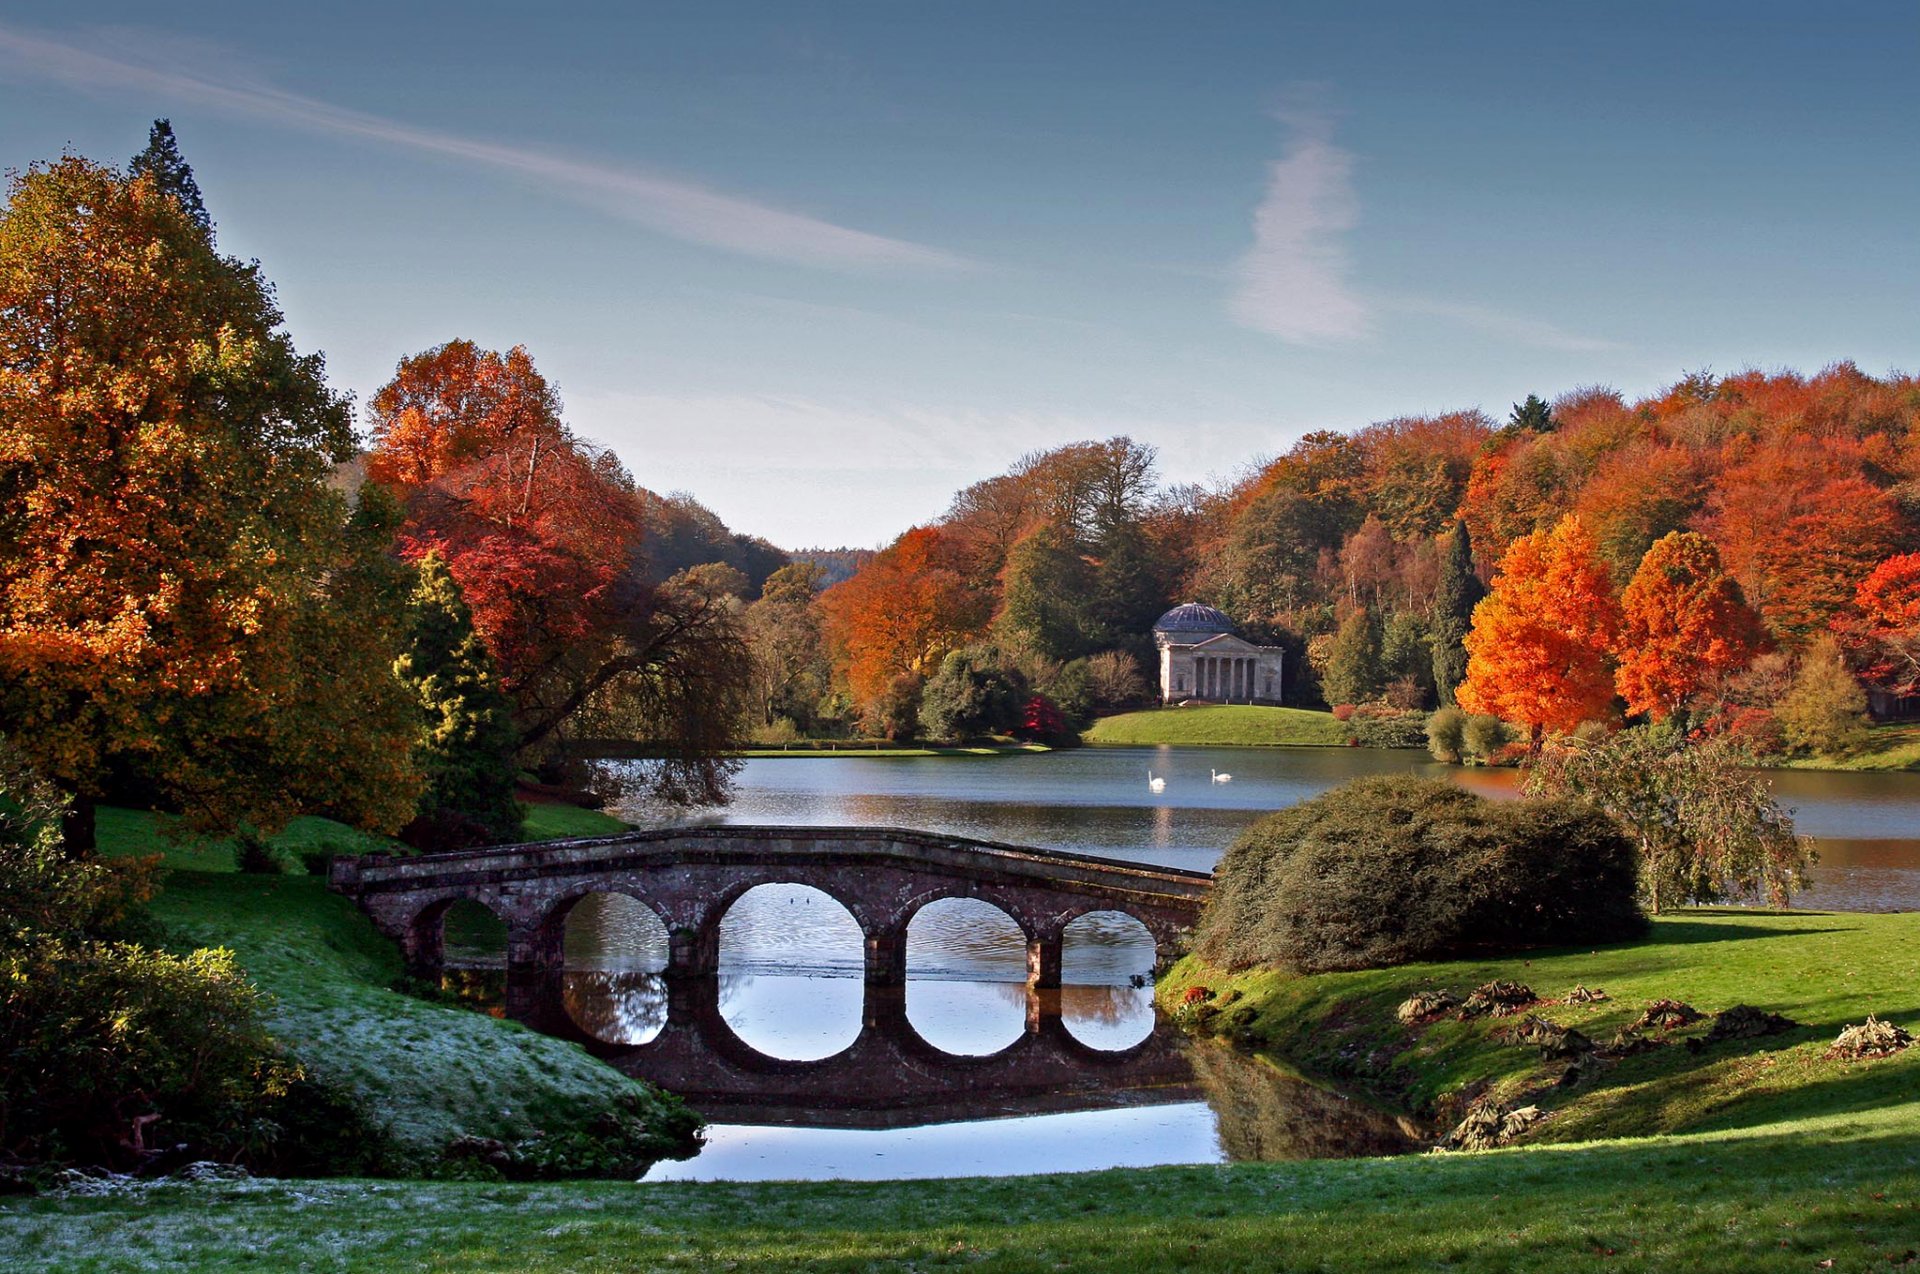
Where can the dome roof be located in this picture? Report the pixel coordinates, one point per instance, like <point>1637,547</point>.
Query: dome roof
<point>1192,617</point>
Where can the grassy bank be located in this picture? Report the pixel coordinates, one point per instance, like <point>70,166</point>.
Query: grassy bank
<point>428,1072</point>
<point>1893,746</point>
<point>1839,1192</point>
<point>1223,725</point>
<point>814,748</point>
<point>1821,970</point>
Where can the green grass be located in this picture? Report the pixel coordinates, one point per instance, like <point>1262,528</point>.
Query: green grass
<point>124,833</point>
<point>551,821</point>
<point>1843,1189</point>
<point>1232,725</point>
<point>1822,970</point>
<point>851,749</point>
<point>1894,746</point>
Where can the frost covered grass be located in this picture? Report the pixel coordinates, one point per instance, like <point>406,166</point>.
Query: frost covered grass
<point>1842,1188</point>
<point>428,1071</point>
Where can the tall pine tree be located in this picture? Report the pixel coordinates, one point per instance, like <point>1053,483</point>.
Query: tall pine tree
<point>162,161</point>
<point>467,739</point>
<point>1457,593</point>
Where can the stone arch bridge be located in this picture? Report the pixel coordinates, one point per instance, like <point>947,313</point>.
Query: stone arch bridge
<point>689,877</point>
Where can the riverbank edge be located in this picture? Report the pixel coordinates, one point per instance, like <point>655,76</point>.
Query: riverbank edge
<point>1820,970</point>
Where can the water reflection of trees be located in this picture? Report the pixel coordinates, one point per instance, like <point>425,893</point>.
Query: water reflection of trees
<point>1265,1114</point>
<point>619,1008</point>
<point>1107,1017</point>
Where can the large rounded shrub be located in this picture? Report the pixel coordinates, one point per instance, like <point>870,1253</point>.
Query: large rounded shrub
<point>1386,870</point>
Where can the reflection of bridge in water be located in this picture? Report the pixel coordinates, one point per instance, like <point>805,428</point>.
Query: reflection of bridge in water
<point>890,1076</point>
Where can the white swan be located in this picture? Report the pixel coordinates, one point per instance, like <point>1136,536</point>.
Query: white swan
<point>1218,777</point>
<point>1156,784</point>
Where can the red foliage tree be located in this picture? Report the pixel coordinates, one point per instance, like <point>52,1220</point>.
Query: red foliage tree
<point>1683,623</point>
<point>1882,635</point>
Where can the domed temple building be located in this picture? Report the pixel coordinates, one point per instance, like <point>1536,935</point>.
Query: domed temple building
<point>1202,658</point>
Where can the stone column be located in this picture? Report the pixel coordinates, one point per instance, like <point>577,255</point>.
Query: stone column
<point>1043,962</point>
<point>887,957</point>
<point>1042,1004</point>
<point>693,951</point>
<point>536,969</point>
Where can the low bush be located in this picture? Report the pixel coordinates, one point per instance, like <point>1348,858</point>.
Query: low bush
<point>1380,726</point>
<point>1387,870</point>
<point>1446,735</point>
<point>1483,737</point>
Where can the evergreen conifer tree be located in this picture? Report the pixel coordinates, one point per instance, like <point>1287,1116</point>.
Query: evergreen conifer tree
<point>1457,593</point>
<point>1533,416</point>
<point>162,161</point>
<point>467,739</point>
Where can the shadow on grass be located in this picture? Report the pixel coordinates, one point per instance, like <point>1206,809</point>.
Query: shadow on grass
<point>1698,929</point>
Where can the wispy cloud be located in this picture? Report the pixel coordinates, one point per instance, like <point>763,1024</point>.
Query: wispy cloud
<point>673,206</point>
<point>1292,283</point>
<point>1517,328</point>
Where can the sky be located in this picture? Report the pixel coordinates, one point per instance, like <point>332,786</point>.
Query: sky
<point>823,264</point>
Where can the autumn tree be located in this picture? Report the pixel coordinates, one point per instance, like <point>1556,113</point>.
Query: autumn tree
<point>901,614</point>
<point>170,550</point>
<point>1539,653</point>
<point>791,672</point>
<point>1800,526</point>
<point>1825,711</point>
<point>467,742</point>
<point>543,533</point>
<point>1882,633</point>
<point>1458,591</point>
<point>1683,624</point>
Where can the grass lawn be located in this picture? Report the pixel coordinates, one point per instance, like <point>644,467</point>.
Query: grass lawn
<point>1894,746</point>
<point>1234,725</point>
<point>548,820</point>
<point>854,749</point>
<point>1839,1192</point>
<point>1746,1155</point>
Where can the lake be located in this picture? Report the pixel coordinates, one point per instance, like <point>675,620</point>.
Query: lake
<point>953,1092</point>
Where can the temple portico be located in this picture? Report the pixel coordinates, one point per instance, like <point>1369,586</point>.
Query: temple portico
<point>1202,658</point>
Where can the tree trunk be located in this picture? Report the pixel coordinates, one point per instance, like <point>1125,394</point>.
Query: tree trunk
<point>77,827</point>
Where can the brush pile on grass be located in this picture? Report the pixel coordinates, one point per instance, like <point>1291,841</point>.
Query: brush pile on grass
<point>1490,1124</point>
<point>1425,1006</point>
<point>1498,998</point>
<point>1666,1015</point>
<point>1871,1039</point>
<point>1743,1022</point>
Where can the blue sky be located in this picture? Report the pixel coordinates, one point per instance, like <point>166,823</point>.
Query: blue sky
<point>822,264</point>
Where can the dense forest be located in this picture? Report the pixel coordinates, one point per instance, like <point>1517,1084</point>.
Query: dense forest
<point>1785,507</point>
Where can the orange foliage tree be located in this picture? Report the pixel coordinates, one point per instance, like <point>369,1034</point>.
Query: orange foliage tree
<point>1683,623</point>
<point>902,613</point>
<point>1540,650</point>
<point>184,601</point>
<point>1800,527</point>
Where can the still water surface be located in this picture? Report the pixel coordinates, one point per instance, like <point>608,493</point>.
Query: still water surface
<point>790,985</point>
